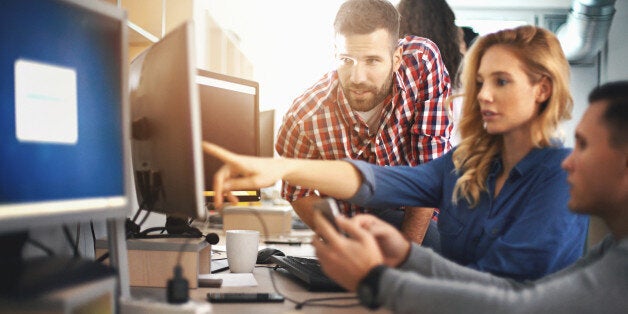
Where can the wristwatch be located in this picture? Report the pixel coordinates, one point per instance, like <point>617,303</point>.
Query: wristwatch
<point>369,287</point>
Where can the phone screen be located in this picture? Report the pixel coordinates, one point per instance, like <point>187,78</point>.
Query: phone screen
<point>217,297</point>
<point>328,207</point>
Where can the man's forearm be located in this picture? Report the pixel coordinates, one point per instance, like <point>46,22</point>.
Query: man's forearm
<point>415,223</point>
<point>303,208</point>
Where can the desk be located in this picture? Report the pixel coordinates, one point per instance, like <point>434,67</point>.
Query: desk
<point>286,286</point>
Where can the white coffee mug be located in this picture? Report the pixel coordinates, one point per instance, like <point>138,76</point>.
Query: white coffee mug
<point>242,246</point>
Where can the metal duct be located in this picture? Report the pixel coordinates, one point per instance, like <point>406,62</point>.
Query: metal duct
<point>586,30</point>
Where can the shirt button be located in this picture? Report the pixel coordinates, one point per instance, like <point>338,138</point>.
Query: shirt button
<point>494,231</point>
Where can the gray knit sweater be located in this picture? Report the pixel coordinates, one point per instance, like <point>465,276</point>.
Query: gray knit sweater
<point>428,283</point>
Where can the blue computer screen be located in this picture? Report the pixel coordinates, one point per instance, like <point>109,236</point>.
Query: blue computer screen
<point>60,103</point>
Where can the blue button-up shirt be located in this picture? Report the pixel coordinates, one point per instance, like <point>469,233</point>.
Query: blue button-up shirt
<point>525,232</point>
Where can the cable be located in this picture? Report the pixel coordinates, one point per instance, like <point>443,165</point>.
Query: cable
<point>137,213</point>
<point>308,302</point>
<point>300,304</point>
<point>148,212</point>
<point>177,291</point>
<point>78,234</point>
<point>68,237</point>
<point>91,226</point>
<point>178,287</point>
<point>40,246</point>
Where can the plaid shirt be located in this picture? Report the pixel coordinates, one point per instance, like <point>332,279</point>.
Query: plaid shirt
<point>414,126</point>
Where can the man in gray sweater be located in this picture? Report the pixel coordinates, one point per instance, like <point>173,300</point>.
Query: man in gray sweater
<point>387,270</point>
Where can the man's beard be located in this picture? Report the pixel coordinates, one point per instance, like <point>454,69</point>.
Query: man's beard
<point>368,104</point>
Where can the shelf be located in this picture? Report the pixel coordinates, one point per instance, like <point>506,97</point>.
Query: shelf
<point>140,36</point>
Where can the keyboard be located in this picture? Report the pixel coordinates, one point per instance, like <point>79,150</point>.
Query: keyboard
<point>308,271</point>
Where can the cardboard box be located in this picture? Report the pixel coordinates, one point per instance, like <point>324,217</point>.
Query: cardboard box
<point>277,220</point>
<point>151,261</point>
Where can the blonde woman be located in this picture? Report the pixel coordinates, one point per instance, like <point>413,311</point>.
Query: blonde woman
<point>502,194</point>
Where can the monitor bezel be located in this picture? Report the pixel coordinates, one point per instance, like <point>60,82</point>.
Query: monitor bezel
<point>195,176</point>
<point>25,215</point>
<point>243,196</point>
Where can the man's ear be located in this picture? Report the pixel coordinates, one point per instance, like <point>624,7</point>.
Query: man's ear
<point>544,90</point>
<point>397,57</point>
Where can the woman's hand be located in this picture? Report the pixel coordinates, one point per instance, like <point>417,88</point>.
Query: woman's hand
<point>248,172</point>
<point>241,172</point>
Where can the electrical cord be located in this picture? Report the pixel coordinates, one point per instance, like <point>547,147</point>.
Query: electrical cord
<point>68,236</point>
<point>91,226</point>
<point>178,287</point>
<point>308,302</point>
<point>41,246</point>
<point>78,236</point>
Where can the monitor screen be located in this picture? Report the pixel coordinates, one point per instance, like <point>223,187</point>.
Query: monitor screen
<point>166,134</point>
<point>63,112</point>
<point>230,118</point>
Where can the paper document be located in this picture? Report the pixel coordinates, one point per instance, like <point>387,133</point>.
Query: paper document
<point>232,280</point>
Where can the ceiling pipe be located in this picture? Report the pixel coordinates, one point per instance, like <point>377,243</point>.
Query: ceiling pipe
<point>586,30</point>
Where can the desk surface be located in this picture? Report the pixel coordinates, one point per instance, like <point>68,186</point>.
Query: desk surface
<point>264,275</point>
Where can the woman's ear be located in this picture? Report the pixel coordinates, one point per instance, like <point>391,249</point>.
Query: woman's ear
<point>544,90</point>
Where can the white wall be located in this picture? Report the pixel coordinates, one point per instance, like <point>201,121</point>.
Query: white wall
<point>612,66</point>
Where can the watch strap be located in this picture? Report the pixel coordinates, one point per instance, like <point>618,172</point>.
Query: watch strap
<point>368,288</point>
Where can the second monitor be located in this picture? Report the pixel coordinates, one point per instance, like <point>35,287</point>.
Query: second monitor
<point>230,118</point>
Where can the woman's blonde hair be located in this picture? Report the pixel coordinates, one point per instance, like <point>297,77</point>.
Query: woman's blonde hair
<point>541,55</point>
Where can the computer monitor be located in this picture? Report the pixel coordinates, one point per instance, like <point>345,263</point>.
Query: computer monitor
<point>267,133</point>
<point>166,127</point>
<point>63,113</point>
<point>230,118</point>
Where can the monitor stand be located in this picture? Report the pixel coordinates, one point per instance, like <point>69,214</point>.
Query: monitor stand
<point>12,245</point>
<point>175,227</point>
<point>30,278</point>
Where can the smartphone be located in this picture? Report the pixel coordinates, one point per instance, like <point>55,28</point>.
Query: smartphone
<point>217,297</point>
<point>329,208</point>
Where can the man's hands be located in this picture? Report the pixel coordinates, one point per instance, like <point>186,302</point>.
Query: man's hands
<point>369,242</point>
<point>394,246</point>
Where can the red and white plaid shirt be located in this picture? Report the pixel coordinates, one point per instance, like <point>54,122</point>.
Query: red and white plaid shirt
<point>414,126</point>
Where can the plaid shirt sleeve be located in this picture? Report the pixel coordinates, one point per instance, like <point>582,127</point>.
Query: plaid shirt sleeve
<point>292,140</point>
<point>292,144</point>
<point>428,80</point>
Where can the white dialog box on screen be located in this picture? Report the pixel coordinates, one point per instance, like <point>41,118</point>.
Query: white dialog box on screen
<point>45,103</point>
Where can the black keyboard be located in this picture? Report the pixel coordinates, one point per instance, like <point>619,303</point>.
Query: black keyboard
<point>308,271</point>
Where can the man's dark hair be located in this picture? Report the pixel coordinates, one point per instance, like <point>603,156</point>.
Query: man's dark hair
<point>469,35</point>
<point>615,95</point>
<point>360,17</point>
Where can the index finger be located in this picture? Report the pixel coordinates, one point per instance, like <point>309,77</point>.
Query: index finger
<point>217,151</point>
<point>219,177</point>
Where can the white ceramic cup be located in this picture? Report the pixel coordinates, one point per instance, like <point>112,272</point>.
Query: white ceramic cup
<point>242,246</point>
